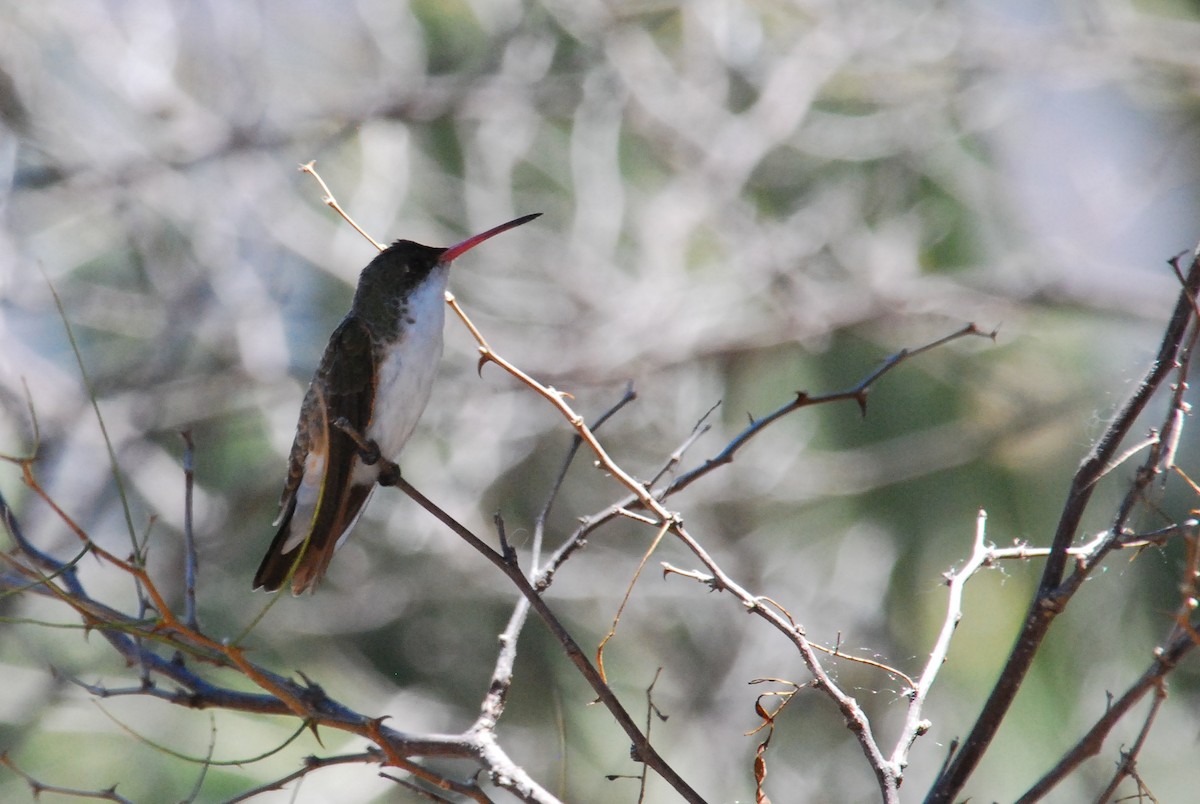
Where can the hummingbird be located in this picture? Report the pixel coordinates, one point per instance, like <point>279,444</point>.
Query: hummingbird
<point>362,404</point>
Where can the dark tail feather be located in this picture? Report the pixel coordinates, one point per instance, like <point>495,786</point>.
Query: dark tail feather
<point>331,524</point>
<point>276,564</point>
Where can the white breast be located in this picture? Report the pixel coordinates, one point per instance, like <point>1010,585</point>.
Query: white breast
<point>406,375</point>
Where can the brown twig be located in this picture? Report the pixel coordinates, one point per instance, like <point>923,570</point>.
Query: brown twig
<point>768,723</point>
<point>131,637</point>
<point>311,169</point>
<point>637,573</point>
<point>539,522</point>
<point>1127,767</point>
<point>857,393</point>
<point>668,521</point>
<point>1165,661</point>
<point>586,435</point>
<point>558,400</point>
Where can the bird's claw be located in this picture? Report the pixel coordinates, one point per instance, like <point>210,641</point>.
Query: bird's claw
<point>368,450</point>
<point>369,453</point>
<point>389,473</point>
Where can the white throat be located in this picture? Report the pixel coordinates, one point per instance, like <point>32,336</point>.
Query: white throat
<point>405,377</point>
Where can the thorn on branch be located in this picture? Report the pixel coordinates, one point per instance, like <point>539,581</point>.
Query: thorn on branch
<point>312,726</point>
<point>708,580</point>
<point>861,399</point>
<point>313,693</point>
<point>389,474</point>
<point>368,450</point>
<point>369,453</point>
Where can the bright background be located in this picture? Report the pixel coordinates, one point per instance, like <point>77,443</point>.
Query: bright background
<point>742,200</point>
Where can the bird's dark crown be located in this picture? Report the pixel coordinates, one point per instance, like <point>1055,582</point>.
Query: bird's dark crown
<point>397,270</point>
<point>389,279</point>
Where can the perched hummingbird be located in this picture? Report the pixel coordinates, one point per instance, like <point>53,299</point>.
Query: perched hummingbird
<point>363,403</point>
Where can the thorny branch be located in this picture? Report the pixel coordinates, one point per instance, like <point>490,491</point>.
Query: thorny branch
<point>858,393</point>
<point>133,638</point>
<point>37,787</point>
<point>493,704</point>
<point>1054,593</point>
<point>1181,640</point>
<point>136,638</point>
<point>645,752</point>
<point>887,776</point>
<point>643,498</point>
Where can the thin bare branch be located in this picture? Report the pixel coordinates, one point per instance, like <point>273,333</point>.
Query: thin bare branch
<point>328,199</point>
<point>189,536</point>
<point>887,777</point>
<point>311,764</point>
<point>914,722</point>
<point>132,638</point>
<point>637,573</point>
<point>645,752</point>
<point>857,393</point>
<point>1052,593</point>
<point>38,787</point>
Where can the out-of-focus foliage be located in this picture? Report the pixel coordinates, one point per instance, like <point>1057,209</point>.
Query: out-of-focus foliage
<point>741,200</point>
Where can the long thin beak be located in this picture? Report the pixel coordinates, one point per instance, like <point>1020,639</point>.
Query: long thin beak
<point>471,242</point>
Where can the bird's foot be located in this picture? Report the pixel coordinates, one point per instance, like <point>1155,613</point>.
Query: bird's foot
<point>368,450</point>
<point>389,472</point>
